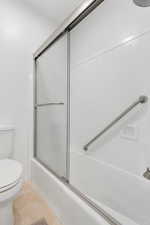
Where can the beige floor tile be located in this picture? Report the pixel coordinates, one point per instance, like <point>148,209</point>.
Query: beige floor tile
<point>29,207</point>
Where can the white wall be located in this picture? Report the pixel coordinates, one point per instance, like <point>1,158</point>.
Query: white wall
<point>110,52</point>
<point>54,10</point>
<point>21,32</point>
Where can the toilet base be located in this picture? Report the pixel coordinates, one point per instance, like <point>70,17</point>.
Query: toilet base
<point>6,213</point>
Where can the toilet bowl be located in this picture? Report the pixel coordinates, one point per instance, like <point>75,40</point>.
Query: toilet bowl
<point>10,185</point>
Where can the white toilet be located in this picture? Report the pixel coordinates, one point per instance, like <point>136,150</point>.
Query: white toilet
<point>11,173</point>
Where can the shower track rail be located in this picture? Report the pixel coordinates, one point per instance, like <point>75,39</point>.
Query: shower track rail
<point>141,100</point>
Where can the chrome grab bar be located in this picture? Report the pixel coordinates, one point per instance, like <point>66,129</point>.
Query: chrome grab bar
<point>141,100</point>
<point>48,104</point>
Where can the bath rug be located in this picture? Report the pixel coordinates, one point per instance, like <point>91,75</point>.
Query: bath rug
<point>40,222</point>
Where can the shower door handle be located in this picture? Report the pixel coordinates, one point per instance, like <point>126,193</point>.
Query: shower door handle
<point>49,104</point>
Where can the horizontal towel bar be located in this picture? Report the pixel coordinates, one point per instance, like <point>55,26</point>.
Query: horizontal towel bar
<point>49,104</point>
<point>141,100</point>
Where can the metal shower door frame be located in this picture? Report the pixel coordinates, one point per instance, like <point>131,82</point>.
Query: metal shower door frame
<point>76,17</point>
<point>67,166</point>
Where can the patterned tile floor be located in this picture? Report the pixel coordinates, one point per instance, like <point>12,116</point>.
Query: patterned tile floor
<point>30,208</point>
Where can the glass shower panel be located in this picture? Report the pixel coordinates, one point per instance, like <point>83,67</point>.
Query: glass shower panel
<point>51,107</point>
<point>52,73</point>
<point>51,138</point>
<point>104,81</point>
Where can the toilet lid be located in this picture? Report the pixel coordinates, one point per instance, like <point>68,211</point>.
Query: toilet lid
<point>10,172</point>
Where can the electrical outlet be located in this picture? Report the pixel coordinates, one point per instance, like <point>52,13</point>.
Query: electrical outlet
<point>130,132</point>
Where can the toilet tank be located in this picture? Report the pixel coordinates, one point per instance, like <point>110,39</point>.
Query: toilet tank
<point>7,135</point>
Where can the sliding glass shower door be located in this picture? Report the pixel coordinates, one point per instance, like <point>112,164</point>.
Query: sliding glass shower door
<point>51,107</point>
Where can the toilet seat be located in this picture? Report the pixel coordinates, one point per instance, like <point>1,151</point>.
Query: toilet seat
<point>10,174</point>
<point>9,187</point>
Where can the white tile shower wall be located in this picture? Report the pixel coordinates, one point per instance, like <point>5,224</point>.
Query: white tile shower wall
<point>113,23</point>
<point>110,53</point>
<point>21,32</point>
<point>106,86</point>
<point>108,83</point>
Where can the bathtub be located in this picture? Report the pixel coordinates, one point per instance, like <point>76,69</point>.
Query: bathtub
<point>123,195</point>
<point>69,208</point>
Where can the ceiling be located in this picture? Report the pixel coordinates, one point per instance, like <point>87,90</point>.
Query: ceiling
<point>54,10</point>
